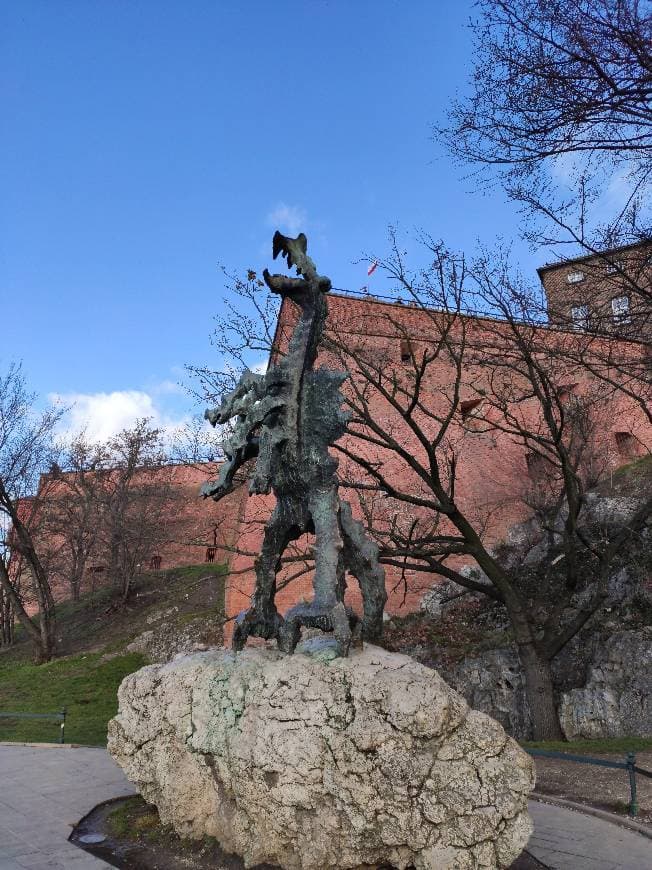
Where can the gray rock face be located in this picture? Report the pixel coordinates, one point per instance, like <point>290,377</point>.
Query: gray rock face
<point>617,698</point>
<point>168,637</point>
<point>493,684</point>
<point>436,598</point>
<point>310,764</point>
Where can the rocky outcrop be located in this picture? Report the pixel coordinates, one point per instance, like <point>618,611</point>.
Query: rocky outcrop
<point>172,633</point>
<point>617,698</point>
<point>306,763</point>
<point>492,682</point>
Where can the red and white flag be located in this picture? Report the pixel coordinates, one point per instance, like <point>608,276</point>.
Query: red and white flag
<point>372,268</point>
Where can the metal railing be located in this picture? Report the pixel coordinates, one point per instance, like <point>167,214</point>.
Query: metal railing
<point>629,765</point>
<point>59,716</point>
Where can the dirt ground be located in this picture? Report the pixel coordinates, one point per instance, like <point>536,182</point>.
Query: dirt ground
<point>135,839</point>
<point>602,787</point>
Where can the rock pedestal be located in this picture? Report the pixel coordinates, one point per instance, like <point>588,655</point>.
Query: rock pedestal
<point>313,764</point>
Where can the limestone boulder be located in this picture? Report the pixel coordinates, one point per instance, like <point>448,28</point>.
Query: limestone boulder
<point>617,698</point>
<point>304,762</point>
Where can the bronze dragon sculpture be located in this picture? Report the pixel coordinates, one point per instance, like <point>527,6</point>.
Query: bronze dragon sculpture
<point>286,419</point>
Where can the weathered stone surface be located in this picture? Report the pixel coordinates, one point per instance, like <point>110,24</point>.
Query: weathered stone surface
<point>617,698</point>
<point>492,682</point>
<point>168,636</point>
<point>310,764</point>
<point>436,598</point>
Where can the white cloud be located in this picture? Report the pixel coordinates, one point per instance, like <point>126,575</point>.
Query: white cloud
<point>619,189</point>
<point>169,388</point>
<point>564,168</point>
<point>290,219</point>
<point>102,415</point>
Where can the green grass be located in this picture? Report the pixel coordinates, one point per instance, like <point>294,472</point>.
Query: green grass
<point>90,628</point>
<point>588,747</point>
<point>133,817</point>
<point>83,684</point>
<point>642,464</point>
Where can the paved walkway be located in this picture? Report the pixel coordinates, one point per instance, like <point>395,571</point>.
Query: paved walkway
<point>568,840</point>
<point>44,791</point>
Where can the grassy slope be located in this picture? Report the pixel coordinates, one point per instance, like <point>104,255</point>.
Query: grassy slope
<point>85,685</point>
<point>93,663</point>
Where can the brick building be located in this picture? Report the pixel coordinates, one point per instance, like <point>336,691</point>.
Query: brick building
<point>494,474</point>
<point>608,292</point>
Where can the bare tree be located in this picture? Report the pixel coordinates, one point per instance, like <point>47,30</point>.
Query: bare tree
<point>26,450</point>
<point>137,502</point>
<point>6,619</point>
<point>560,106</point>
<point>243,337</point>
<point>71,514</point>
<point>503,377</point>
<point>414,427</point>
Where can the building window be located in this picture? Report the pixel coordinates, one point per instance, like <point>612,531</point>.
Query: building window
<point>210,554</point>
<point>406,355</point>
<point>536,465</point>
<point>628,446</point>
<point>580,316</point>
<point>575,277</point>
<point>613,268</point>
<point>620,309</point>
<point>155,563</point>
<point>96,569</point>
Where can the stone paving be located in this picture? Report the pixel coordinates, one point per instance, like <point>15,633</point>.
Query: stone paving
<point>568,840</point>
<point>44,791</point>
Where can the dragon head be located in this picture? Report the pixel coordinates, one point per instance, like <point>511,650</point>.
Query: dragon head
<point>295,253</point>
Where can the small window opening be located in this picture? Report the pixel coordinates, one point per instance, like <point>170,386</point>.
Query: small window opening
<point>406,354</point>
<point>620,309</point>
<point>575,277</point>
<point>210,554</point>
<point>155,563</point>
<point>536,465</point>
<point>616,266</point>
<point>627,444</point>
<point>580,316</point>
<point>471,408</point>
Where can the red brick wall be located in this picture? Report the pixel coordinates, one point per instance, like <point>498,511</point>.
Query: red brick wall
<point>492,469</point>
<point>193,524</point>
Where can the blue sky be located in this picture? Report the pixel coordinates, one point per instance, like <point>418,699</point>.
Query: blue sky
<point>144,142</point>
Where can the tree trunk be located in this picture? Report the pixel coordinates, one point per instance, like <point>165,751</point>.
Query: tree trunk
<point>6,619</point>
<point>42,640</point>
<point>539,690</point>
<point>40,584</point>
<point>126,585</point>
<point>537,674</point>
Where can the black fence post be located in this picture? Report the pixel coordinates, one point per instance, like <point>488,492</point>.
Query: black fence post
<point>631,765</point>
